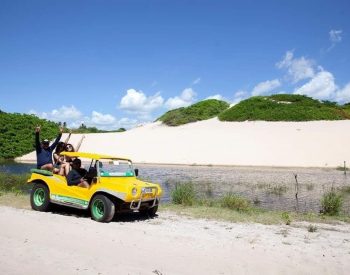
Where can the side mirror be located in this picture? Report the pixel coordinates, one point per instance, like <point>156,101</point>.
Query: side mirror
<point>136,172</point>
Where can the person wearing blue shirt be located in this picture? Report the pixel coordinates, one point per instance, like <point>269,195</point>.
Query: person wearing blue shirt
<point>44,150</point>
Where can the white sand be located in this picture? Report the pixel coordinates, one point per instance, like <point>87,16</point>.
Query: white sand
<point>303,144</point>
<point>45,243</point>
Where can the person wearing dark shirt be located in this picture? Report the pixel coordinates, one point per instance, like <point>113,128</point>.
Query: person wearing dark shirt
<point>75,176</point>
<point>44,150</point>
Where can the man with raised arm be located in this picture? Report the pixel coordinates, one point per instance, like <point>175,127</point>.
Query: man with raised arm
<point>44,150</point>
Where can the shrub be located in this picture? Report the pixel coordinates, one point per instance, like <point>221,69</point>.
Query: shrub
<point>331,203</point>
<point>235,202</point>
<point>286,218</point>
<point>183,194</point>
<point>312,228</point>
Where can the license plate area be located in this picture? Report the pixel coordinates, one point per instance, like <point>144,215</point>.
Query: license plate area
<point>148,190</point>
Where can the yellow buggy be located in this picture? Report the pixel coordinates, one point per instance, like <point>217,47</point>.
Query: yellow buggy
<point>114,188</point>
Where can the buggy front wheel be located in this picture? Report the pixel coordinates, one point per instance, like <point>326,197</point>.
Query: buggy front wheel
<point>40,197</point>
<point>102,209</point>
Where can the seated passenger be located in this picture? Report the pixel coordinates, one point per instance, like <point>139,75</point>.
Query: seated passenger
<point>75,176</point>
<point>58,159</point>
<point>44,150</point>
<point>66,163</point>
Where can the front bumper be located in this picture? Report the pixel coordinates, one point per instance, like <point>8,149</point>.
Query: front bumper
<point>145,199</point>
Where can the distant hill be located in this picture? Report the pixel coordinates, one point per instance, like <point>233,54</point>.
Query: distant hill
<point>202,110</point>
<point>83,129</point>
<point>285,107</point>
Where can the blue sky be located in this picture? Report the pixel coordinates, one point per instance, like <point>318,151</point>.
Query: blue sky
<point>121,63</point>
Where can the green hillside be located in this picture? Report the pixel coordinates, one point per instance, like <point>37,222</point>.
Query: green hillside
<point>17,133</point>
<point>200,111</point>
<point>285,107</point>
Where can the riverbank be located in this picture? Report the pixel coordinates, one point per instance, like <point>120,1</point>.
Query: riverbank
<point>211,142</point>
<point>198,246</point>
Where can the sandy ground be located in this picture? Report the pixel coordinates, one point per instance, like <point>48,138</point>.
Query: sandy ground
<point>46,243</point>
<point>300,144</point>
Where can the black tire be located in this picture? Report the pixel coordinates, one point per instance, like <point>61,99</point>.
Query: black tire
<point>40,197</point>
<point>102,209</point>
<point>150,212</point>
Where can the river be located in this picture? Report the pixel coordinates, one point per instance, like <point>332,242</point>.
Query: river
<point>266,187</point>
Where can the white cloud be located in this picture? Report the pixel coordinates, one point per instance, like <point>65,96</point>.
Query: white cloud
<point>343,95</point>
<point>322,86</point>
<point>335,36</point>
<point>238,97</point>
<point>297,68</point>
<point>102,119</point>
<point>266,87</point>
<point>137,102</point>
<point>217,96</point>
<point>196,81</point>
<point>63,113</point>
<point>186,98</point>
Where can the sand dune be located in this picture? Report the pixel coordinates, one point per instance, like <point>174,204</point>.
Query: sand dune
<point>303,144</point>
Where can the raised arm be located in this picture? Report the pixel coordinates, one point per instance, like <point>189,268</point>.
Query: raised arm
<point>67,139</point>
<point>37,139</point>
<point>79,144</point>
<point>53,146</point>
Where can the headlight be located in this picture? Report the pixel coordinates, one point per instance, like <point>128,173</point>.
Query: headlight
<point>134,191</point>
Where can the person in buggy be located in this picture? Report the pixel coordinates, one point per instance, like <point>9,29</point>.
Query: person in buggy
<point>76,175</point>
<point>44,150</point>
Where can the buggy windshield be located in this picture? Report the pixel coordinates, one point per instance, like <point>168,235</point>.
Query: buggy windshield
<point>115,168</point>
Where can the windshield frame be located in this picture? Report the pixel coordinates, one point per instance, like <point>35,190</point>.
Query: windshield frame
<point>114,176</point>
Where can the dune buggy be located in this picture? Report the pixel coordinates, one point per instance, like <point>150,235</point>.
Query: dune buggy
<point>114,188</point>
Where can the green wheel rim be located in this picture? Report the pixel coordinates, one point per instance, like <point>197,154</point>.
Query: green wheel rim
<point>39,196</point>
<point>98,209</point>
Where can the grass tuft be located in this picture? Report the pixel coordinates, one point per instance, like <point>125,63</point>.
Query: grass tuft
<point>286,218</point>
<point>235,202</point>
<point>183,194</point>
<point>331,203</point>
<point>312,228</point>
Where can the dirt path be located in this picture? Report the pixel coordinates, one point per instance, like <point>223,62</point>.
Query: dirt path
<point>46,243</point>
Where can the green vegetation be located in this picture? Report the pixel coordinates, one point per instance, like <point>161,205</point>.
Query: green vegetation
<point>235,202</point>
<point>232,207</point>
<point>183,194</point>
<point>13,183</point>
<point>83,129</point>
<point>331,203</point>
<point>214,211</point>
<point>286,218</point>
<point>17,133</point>
<point>202,110</point>
<point>285,107</point>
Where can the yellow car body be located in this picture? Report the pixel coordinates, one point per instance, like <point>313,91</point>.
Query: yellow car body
<point>125,191</point>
